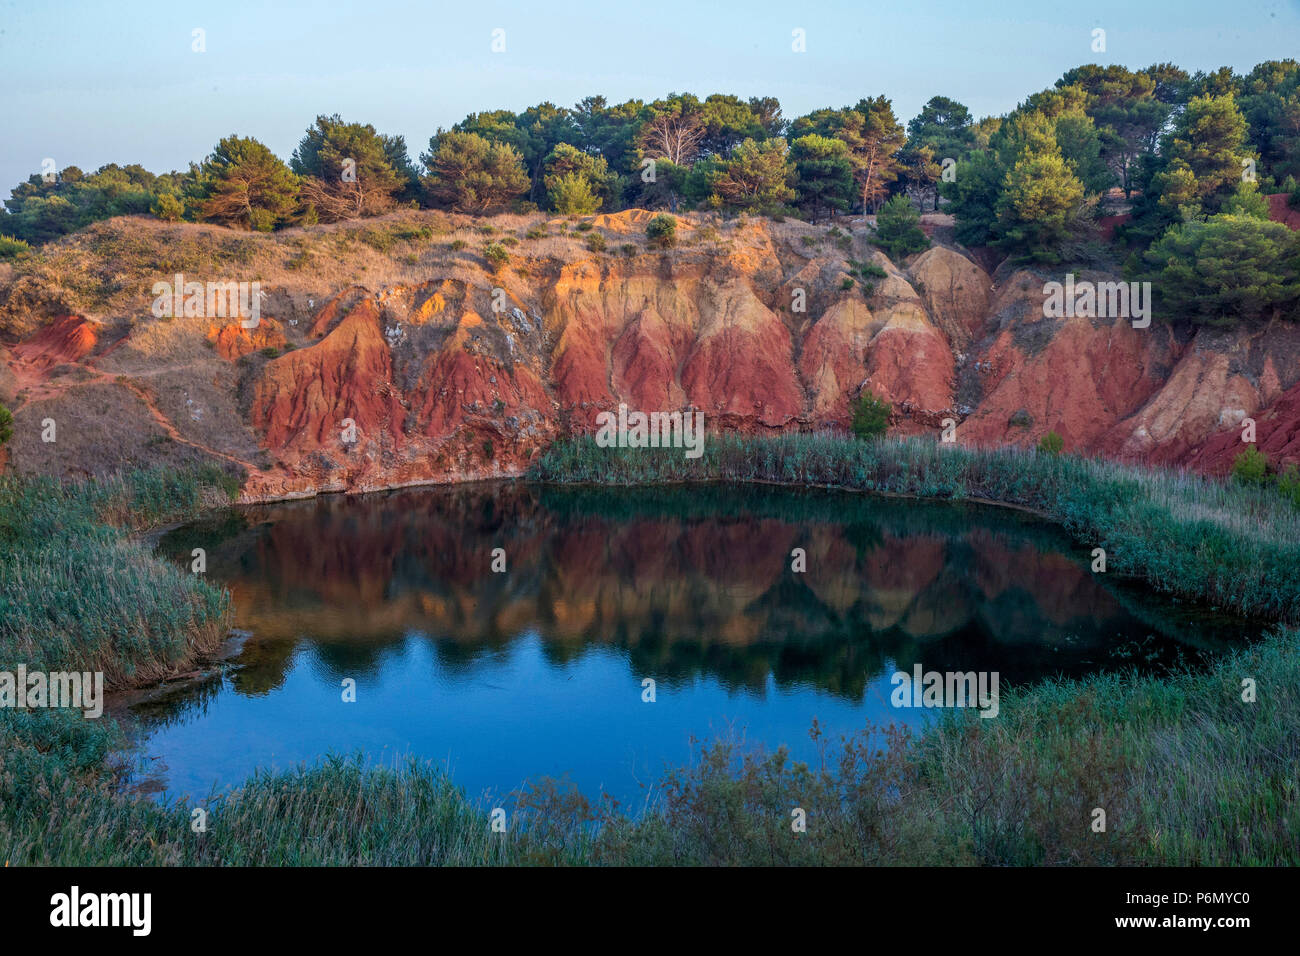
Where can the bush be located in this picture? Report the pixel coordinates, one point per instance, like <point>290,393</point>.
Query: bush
<point>412,233</point>
<point>870,416</point>
<point>1288,484</point>
<point>12,250</point>
<point>168,208</point>
<point>628,249</point>
<point>1051,444</point>
<point>457,245</point>
<point>596,242</point>
<point>898,229</point>
<point>1225,271</point>
<point>662,230</point>
<point>6,425</point>
<point>1250,467</point>
<point>496,254</point>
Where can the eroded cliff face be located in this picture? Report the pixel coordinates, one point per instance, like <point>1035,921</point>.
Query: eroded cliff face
<point>375,372</point>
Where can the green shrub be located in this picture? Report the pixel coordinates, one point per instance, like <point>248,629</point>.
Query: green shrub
<point>496,254</point>
<point>662,230</point>
<point>1225,271</point>
<point>13,250</point>
<point>168,208</point>
<point>1288,484</point>
<point>628,249</point>
<point>458,244</point>
<point>410,234</point>
<point>1250,467</point>
<point>6,425</point>
<point>898,229</point>
<point>1051,444</point>
<point>596,242</point>
<point>870,416</point>
<point>1020,419</point>
<point>377,239</point>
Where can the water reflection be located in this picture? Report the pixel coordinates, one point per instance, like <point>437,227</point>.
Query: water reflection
<point>692,586</point>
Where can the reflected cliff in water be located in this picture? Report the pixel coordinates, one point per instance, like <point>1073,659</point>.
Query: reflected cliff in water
<point>692,586</point>
<point>683,580</point>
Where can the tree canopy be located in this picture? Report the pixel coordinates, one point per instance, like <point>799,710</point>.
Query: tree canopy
<point>1191,156</point>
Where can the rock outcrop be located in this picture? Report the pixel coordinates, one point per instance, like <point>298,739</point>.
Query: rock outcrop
<point>429,365</point>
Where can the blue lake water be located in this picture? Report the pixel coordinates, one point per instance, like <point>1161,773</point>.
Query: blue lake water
<point>538,670</point>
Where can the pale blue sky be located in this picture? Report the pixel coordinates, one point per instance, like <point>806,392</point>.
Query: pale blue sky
<point>87,83</point>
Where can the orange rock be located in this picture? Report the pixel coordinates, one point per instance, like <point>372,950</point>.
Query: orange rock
<point>303,397</point>
<point>233,341</point>
<point>65,340</point>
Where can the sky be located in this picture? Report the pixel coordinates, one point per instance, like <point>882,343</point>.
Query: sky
<point>88,83</point>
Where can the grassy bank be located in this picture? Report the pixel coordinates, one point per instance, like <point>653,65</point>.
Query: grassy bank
<point>1187,772</point>
<point>1185,769</point>
<point>1228,545</point>
<point>77,591</point>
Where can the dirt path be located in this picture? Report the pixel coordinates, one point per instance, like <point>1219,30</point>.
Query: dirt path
<point>174,434</point>
<point>36,383</point>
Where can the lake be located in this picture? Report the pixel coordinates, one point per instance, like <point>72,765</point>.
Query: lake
<point>540,669</point>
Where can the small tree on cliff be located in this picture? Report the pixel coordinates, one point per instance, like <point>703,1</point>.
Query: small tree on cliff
<point>1250,467</point>
<point>756,176</point>
<point>898,229</point>
<point>348,170</point>
<point>242,184</point>
<point>824,173</point>
<point>6,425</point>
<point>1226,270</point>
<point>1040,201</point>
<point>1051,444</point>
<point>577,183</point>
<point>870,416</point>
<point>471,174</point>
<point>662,230</point>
